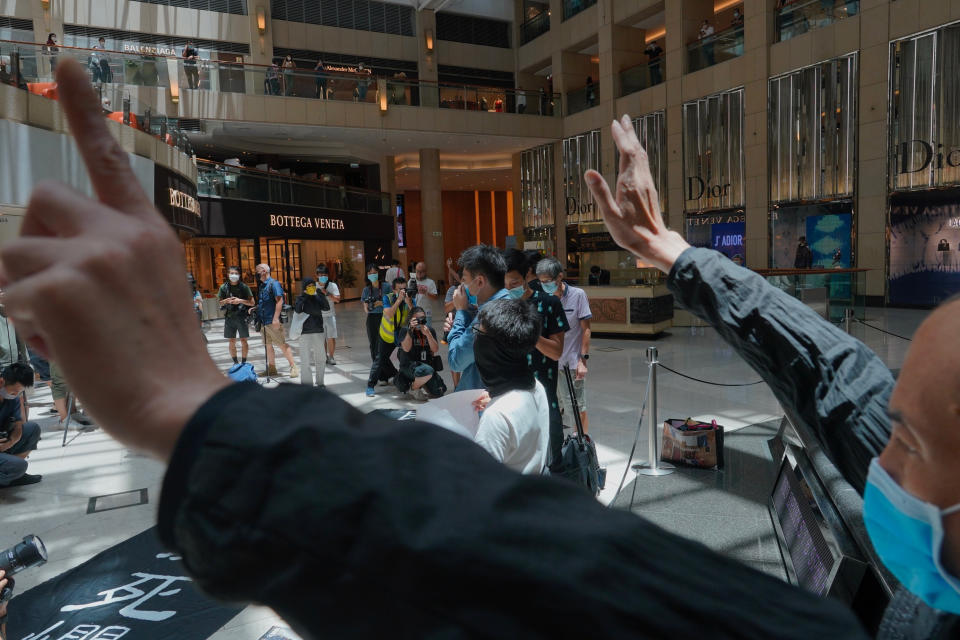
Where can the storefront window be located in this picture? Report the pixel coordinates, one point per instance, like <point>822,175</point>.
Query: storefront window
<point>825,229</point>
<point>924,161</point>
<point>536,187</point>
<point>580,153</point>
<point>713,173</point>
<point>813,132</point>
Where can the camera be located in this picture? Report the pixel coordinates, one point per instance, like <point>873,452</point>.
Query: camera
<point>417,322</point>
<point>23,555</point>
<point>412,289</point>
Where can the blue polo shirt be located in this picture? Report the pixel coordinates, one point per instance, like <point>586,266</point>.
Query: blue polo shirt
<point>270,290</point>
<point>460,341</point>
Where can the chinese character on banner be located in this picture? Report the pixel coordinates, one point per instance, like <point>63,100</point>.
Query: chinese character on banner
<point>135,590</point>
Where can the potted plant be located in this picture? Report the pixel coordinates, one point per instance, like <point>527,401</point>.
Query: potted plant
<point>347,279</point>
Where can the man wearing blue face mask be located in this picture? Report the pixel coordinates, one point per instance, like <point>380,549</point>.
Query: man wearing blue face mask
<point>483,272</point>
<point>576,344</point>
<point>332,291</point>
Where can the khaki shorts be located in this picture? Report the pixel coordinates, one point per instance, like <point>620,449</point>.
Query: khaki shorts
<point>273,337</point>
<point>563,395</point>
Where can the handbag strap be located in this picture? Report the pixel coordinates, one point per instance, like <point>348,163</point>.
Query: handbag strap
<point>573,403</point>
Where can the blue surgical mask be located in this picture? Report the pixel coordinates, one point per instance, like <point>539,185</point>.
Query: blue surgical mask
<point>907,534</point>
<point>549,287</point>
<point>471,299</point>
<point>373,277</point>
<point>516,293</point>
<point>323,279</point>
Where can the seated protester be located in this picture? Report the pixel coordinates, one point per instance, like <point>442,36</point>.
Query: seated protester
<point>515,425</point>
<point>312,346</point>
<point>418,348</point>
<point>21,437</point>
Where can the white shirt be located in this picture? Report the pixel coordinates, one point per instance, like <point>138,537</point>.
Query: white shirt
<point>423,300</point>
<point>392,274</point>
<point>515,429</point>
<point>332,290</point>
<point>706,30</point>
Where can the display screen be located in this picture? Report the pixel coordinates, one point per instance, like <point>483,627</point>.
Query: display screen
<point>809,544</point>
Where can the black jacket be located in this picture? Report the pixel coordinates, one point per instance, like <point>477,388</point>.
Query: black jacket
<point>357,526</point>
<point>313,305</point>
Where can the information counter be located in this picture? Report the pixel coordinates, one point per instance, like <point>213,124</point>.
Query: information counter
<point>638,309</point>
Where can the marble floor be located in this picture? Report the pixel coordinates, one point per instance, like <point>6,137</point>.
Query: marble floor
<point>93,464</point>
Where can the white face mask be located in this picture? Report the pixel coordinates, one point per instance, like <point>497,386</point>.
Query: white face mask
<point>6,395</point>
<point>234,278</point>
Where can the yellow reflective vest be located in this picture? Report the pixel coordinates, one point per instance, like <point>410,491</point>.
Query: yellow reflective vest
<point>388,325</point>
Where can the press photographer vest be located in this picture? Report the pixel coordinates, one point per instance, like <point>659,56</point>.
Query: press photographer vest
<point>388,326</point>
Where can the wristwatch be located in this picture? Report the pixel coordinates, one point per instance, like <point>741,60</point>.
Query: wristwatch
<point>584,356</point>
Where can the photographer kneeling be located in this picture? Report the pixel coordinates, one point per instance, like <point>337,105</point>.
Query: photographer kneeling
<point>418,351</point>
<point>17,438</point>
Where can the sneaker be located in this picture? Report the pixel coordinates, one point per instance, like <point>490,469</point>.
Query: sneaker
<point>294,371</point>
<point>51,411</point>
<point>371,392</point>
<point>331,361</point>
<point>80,418</point>
<point>26,478</point>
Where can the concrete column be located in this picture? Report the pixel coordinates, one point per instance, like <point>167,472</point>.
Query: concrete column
<point>675,63</point>
<point>261,46</point>
<point>388,184</point>
<point>758,36</point>
<point>427,61</point>
<point>515,189</point>
<point>48,21</point>
<point>876,25</point>
<point>431,210</point>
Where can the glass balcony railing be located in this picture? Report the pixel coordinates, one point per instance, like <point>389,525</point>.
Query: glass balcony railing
<point>719,47</point>
<point>30,67</point>
<point>534,27</point>
<point>573,7</point>
<point>796,17</point>
<point>114,71</point>
<point>216,180</point>
<point>641,77</point>
<point>583,99</point>
<point>828,291</point>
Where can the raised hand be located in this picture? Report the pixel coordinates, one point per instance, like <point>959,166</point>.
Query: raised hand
<point>633,217</point>
<point>74,288</point>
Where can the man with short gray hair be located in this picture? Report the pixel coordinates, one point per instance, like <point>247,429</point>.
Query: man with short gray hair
<point>576,344</point>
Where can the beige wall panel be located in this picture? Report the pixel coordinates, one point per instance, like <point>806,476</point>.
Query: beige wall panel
<point>468,55</point>
<point>905,16</point>
<point>872,213</point>
<point>16,9</point>
<point>873,26</point>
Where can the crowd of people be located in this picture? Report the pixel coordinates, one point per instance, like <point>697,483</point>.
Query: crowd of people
<point>510,320</point>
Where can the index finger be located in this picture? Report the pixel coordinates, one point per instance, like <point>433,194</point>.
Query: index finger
<point>107,164</point>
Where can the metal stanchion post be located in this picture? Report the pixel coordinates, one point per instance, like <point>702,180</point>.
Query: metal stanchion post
<point>847,319</point>
<point>653,466</point>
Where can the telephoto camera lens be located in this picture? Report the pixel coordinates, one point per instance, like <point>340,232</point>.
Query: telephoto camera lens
<point>23,555</point>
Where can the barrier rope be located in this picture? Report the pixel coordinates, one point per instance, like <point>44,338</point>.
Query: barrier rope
<point>715,384</point>
<point>889,333</point>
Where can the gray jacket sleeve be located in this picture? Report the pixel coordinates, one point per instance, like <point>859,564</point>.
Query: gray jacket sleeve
<point>832,382</point>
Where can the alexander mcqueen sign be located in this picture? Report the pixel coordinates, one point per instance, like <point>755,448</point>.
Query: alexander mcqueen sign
<point>304,222</point>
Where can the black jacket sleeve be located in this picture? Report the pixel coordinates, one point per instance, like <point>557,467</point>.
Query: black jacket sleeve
<point>832,382</point>
<point>356,526</point>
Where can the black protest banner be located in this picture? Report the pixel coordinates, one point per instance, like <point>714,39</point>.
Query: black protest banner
<point>135,590</point>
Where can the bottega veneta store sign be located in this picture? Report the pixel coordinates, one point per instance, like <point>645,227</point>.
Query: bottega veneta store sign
<point>224,217</point>
<point>304,222</point>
